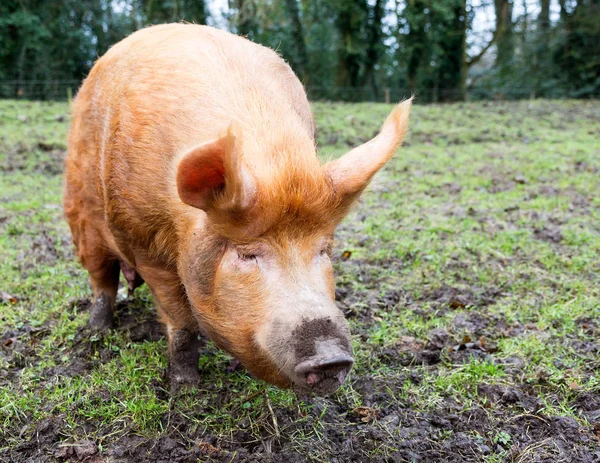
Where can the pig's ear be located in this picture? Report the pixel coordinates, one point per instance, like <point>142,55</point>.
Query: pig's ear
<point>211,176</point>
<point>351,173</point>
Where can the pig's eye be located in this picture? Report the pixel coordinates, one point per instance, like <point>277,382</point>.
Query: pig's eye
<point>247,257</point>
<point>325,251</point>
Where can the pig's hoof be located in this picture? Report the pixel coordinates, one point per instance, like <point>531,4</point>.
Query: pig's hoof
<point>101,317</point>
<point>180,378</point>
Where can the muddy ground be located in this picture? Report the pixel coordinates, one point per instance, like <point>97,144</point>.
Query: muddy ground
<point>448,432</point>
<point>472,292</point>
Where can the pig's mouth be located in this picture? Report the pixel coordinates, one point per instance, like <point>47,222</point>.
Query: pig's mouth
<point>325,371</point>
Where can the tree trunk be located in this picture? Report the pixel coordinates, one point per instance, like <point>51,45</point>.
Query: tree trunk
<point>417,37</point>
<point>301,64</point>
<point>245,22</point>
<point>464,62</point>
<point>544,17</point>
<point>504,30</point>
<point>374,44</point>
<point>349,21</point>
<point>563,10</point>
<point>195,11</point>
<point>132,17</point>
<point>453,68</point>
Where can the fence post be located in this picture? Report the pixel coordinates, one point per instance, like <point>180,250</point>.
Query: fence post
<point>387,95</point>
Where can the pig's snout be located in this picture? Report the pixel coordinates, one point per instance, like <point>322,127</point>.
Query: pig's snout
<point>326,370</point>
<point>323,355</point>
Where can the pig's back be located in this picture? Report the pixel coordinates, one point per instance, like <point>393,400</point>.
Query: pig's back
<point>158,93</point>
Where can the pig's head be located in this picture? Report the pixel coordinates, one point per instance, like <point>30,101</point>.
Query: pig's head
<point>257,269</point>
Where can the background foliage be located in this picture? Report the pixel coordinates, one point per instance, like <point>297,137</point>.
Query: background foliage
<point>341,49</point>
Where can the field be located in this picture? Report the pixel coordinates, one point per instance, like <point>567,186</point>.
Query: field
<point>469,272</point>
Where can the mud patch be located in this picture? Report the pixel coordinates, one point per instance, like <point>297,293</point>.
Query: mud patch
<point>500,185</point>
<point>549,233</point>
<point>137,322</point>
<point>44,249</point>
<point>42,158</point>
<point>450,297</point>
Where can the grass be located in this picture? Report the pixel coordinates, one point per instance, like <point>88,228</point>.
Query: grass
<point>486,224</point>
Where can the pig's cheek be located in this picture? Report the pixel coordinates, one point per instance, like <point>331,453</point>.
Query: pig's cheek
<point>326,270</point>
<point>324,260</point>
<point>246,266</point>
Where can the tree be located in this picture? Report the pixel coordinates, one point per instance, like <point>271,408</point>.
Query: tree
<point>374,45</point>
<point>504,33</point>
<point>350,20</point>
<point>416,20</point>
<point>578,52</point>
<point>436,48</point>
<point>300,64</point>
<point>245,18</point>
<point>544,17</point>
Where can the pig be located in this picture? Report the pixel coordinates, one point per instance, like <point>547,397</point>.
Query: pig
<point>192,167</point>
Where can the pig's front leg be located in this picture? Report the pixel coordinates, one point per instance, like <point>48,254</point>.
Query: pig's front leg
<point>183,357</point>
<point>105,283</point>
<point>181,326</point>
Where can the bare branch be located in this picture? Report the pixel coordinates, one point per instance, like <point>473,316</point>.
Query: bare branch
<point>475,59</point>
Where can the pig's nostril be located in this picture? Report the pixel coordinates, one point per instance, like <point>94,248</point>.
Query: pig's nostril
<point>312,379</point>
<point>329,376</point>
<point>325,375</point>
<point>338,363</point>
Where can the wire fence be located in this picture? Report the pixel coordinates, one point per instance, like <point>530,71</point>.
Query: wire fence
<point>39,89</point>
<point>57,90</point>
